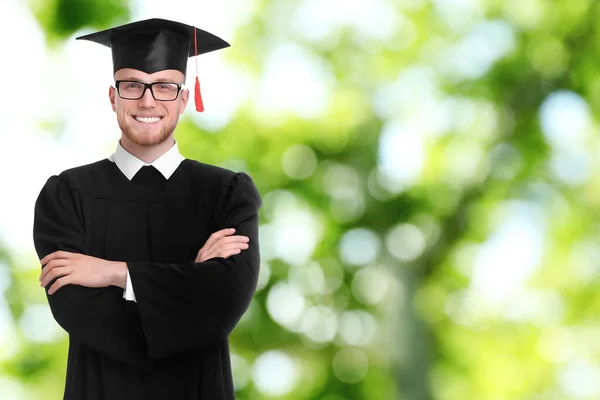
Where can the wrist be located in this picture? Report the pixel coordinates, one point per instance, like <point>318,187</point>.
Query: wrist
<point>119,274</point>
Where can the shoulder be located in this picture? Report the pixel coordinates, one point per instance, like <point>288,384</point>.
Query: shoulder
<point>206,172</point>
<point>85,171</point>
<point>84,177</point>
<point>59,189</point>
<point>223,180</point>
<point>218,176</point>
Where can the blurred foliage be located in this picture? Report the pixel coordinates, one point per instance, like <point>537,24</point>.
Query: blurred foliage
<point>439,332</point>
<point>61,18</point>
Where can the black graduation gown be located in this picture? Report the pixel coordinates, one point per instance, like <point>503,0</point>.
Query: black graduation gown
<point>171,344</point>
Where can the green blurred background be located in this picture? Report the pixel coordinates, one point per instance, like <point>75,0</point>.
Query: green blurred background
<point>430,181</point>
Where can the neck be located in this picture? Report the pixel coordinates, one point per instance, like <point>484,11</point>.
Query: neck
<point>147,153</point>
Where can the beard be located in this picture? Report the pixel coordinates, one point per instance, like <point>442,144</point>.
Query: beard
<point>145,139</point>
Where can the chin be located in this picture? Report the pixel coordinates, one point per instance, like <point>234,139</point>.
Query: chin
<point>146,139</point>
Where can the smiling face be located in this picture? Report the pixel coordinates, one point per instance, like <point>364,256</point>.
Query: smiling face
<point>147,122</point>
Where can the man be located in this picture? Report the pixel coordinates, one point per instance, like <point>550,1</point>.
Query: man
<point>139,258</point>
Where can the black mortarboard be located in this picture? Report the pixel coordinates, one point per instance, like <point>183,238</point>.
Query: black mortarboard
<point>157,44</point>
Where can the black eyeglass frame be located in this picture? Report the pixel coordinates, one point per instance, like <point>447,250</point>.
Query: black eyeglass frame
<point>147,86</point>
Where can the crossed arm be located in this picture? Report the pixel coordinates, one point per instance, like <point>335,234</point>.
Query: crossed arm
<point>67,268</point>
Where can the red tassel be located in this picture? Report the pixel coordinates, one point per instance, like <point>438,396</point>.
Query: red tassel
<point>198,97</point>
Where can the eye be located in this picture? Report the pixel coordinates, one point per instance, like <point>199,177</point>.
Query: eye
<point>165,87</point>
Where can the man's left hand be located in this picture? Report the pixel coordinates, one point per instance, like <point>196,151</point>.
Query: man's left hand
<point>79,269</point>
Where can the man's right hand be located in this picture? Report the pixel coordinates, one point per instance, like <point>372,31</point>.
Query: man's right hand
<point>222,244</point>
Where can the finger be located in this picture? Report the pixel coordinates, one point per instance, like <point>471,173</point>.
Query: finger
<point>217,235</point>
<point>210,243</point>
<point>220,254</point>
<point>51,265</point>
<point>56,255</point>
<point>234,239</point>
<point>234,245</point>
<point>221,246</point>
<point>228,253</point>
<point>46,269</point>
<point>234,248</point>
<point>48,258</point>
<point>55,273</point>
<point>199,255</point>
<point>58,284</point>
<point>59,262</point>
<point>224,241</point>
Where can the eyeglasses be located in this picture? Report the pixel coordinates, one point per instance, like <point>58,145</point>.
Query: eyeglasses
<point>135,90</point>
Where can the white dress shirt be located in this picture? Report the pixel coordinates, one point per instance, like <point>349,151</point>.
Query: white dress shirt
<point>130,165</point>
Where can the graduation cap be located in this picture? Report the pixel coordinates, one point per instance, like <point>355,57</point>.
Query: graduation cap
<point>157,44</point>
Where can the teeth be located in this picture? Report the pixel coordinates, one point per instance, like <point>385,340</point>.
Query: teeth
<point>147,120</point>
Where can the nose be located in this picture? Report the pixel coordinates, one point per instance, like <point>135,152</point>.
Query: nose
<point>147,100</point>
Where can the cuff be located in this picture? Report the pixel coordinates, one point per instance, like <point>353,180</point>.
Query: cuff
<point>128,293</point>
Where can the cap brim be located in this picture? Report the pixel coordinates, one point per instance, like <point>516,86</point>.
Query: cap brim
<point>206,41</point>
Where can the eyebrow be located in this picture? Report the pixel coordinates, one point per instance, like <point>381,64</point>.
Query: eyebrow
<point>131,78</point>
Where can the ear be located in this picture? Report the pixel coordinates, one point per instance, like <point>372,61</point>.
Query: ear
<point>111,95</point>
<point>185,96</point>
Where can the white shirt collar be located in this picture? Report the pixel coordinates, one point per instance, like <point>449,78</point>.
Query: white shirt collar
<point>130,164</point>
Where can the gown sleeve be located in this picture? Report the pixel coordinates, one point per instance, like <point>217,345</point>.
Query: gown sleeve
<point>97,317</point>
<point>186,306</point>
